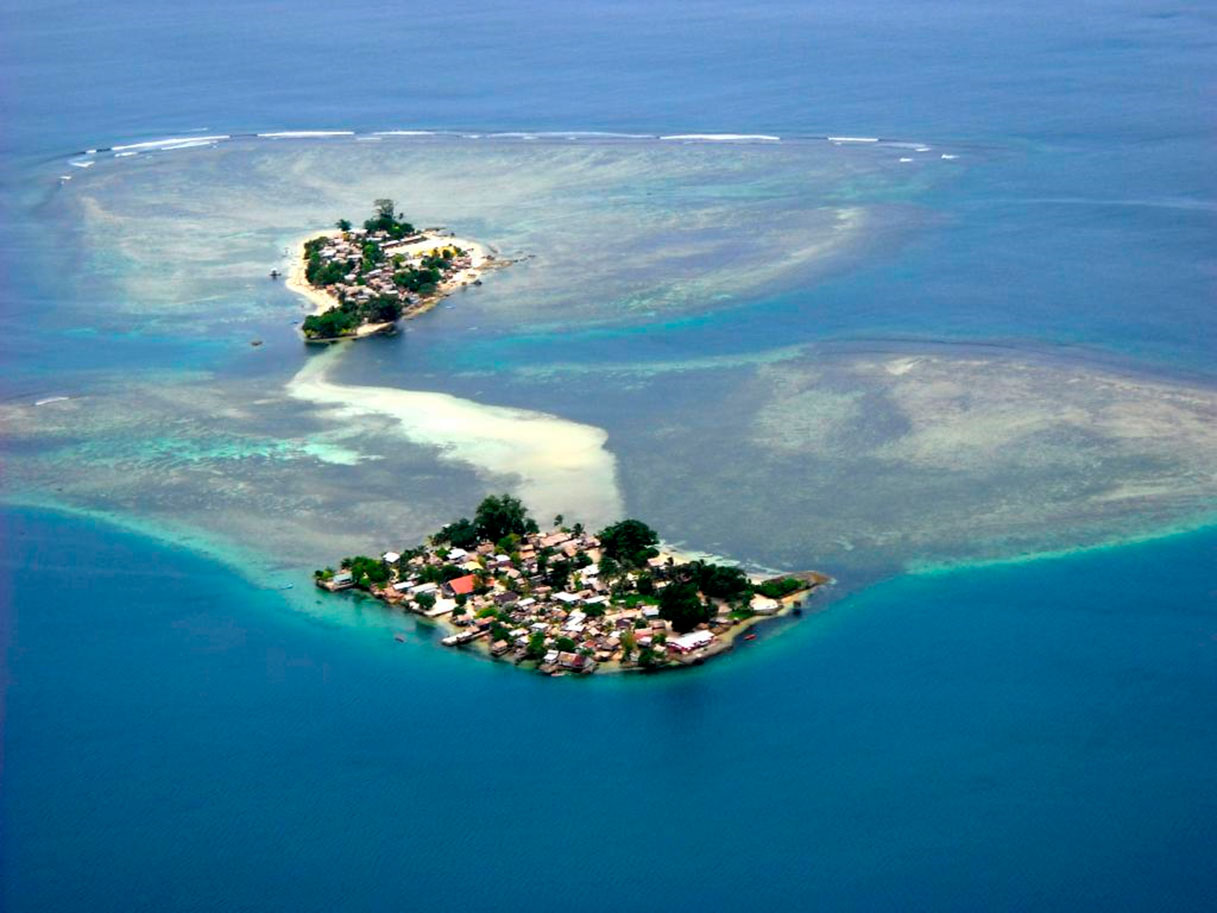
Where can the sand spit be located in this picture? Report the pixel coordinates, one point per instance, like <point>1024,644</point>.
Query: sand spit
<point>554,465</point>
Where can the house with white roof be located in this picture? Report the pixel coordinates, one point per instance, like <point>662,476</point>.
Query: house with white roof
<point>687,643</point>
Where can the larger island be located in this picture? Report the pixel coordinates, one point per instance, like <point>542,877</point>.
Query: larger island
<point>569,601</point>
<point>361,281</point>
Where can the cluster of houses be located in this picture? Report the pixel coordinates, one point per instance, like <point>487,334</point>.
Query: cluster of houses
<point>507,604</point>
<point>359,285</point>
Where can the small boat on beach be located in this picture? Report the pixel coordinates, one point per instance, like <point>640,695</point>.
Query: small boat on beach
<point>749,637</point>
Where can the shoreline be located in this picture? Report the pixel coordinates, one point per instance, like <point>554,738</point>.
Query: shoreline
<point>558,603</point>
<point>726,642</point>
<point>483,258</point>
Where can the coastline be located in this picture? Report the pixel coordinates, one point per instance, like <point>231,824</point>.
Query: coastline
<point>725,642</point>
<point>295,281</point>
<point>482,259</point>
<point>539,600</point>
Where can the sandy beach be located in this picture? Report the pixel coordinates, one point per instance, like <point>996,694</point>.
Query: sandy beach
<point>480,259</point>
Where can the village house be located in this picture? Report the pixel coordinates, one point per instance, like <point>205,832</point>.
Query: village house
<point>570,624</point>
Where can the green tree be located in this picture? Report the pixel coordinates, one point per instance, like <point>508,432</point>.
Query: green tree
<point>425,601</point>
<point>630,541</point>
<point>778,587</point>
<point>680,604</point>
<point>461,534</point>
<point>629,643</point>
<point>719,581</point>
<point>557,572</point>
<point>609,570</point>
<point>367,571</point>
<point>383,309</point>
<point>536,645</point>
<point>565,644</point>
<point>384,220</point>
<point>500,515</point>
<point>343,225</point>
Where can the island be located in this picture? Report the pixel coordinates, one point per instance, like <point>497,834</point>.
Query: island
<point>361,281</point>
<point>569,601</point>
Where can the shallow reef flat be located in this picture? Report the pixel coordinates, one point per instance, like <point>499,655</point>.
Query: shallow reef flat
<point>907,459</point>
<point>624,365</point>
<point>859,463</point>
<point>610,231</point>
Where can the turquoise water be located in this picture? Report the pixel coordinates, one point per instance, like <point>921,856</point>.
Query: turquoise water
<point>997,739</point>
<point>178,735</point>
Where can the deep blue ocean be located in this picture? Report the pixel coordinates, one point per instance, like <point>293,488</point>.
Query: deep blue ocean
<point>1031,735</point>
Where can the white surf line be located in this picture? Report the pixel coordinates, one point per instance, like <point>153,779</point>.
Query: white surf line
<point>304,134</point>
<point>170,141</point>
<point>723,137</point>
<point>554,465</point>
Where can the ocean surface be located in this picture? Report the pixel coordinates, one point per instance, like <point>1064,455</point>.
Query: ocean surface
<point>966,366</point>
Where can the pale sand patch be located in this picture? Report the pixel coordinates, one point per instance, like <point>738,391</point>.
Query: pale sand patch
<point>967,411</point>
<point>557,466</point>
<point>320,299</point>
<point>900,366</point>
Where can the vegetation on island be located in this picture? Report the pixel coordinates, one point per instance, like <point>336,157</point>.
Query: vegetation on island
<point>565,600</point>
<point>366,274</point>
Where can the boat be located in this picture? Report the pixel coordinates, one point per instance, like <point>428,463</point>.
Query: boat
<point>399,637</point>
<point>275,274</point>
<point>749,637</point>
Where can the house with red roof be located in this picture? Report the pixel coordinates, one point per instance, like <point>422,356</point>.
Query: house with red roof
<point>461,586</point>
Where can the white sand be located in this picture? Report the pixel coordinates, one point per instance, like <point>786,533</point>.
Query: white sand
<point>322,301</point>
<point>555,466</point>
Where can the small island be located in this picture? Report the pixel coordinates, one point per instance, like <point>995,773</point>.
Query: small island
<point>362,280</point>
<point>567,601</point>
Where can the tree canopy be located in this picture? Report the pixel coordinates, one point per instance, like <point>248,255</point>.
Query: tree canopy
<point>501,515</point>
<point>384,220</point>
<point>366,571</point>
<point>461,534</point>
<point>629,542</point>
<point>720,581</point>
<point>680,604</point>
<point>777,587</point>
